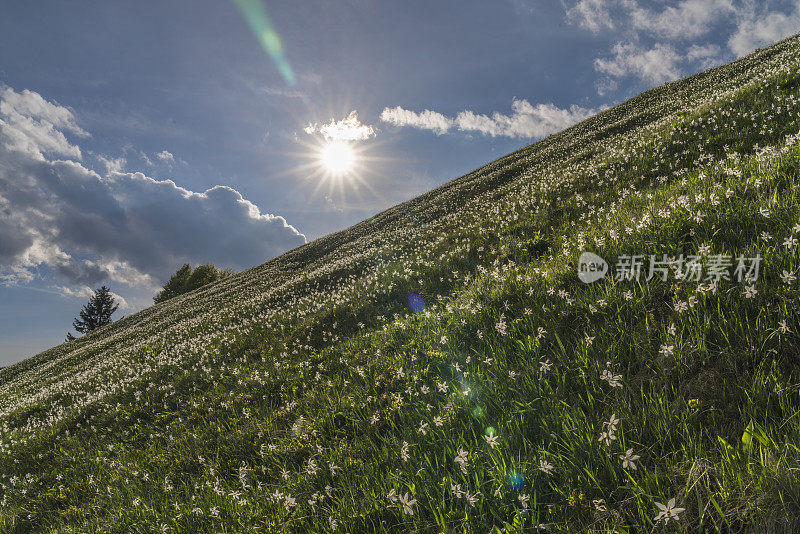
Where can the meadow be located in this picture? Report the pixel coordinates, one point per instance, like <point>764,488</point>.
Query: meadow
<point>440,367</point>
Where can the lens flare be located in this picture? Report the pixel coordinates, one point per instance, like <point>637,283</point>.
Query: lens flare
<point>516,480</point>
<point>256,16</point>
<point>415,302</point>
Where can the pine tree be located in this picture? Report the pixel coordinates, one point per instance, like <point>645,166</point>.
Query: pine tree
<point>69,337</point>
<point>97,312</point>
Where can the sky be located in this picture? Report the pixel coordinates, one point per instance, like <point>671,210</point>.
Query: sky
<point>138,136</point>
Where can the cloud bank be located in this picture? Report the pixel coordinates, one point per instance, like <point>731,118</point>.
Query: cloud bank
<point>58,215</point>
<point>658,45</point>
<point>525,121</point>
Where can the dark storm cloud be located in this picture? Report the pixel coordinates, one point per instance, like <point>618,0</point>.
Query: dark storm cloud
<point>126,227</point>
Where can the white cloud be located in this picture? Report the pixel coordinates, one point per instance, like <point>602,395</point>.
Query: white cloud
<point>112,164</point>
<point>123,227</point>
<point>32,125</point>
<point>676,26</point>
<point>706,55</point>
<point>655,65</point>
<point>165,155</point>
<point>425,120</point>
<point>755,30</point>
<point>526,120</point>
<point>348,129</point>
<point>86,292</point>
<point>593,15</point>
<point>687,19</point>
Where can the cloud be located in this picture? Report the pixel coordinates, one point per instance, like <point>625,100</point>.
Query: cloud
<point>425,120</point>
<point>687,19</point>
<point>755,30</point>
<point>86,292</point>
<point>285,93</point>
<point>164,155</point>
<point>32,125</point>
<point>594,15</point>
<point>526,121</point>
<point>706,55</point>
<point>123,227</point>
<point>675,27</point>
<point>655,65</point>
<point>349,129</point>
<point>112,164</point>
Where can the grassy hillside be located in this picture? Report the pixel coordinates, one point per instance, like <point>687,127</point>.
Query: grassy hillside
<point>307,395</point>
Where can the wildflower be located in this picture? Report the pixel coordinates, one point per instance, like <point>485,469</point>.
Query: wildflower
<point>750,292</point>
<point>612,379</point>
<point>628,459</point>
<point>456,489</point>
<point>667,350</point>
<point>407,503</point>
<point>491,440</point>
<point>438,421</point>
<point>788,277</point>
<point>524,498</point>
<point>472,499</point>
<point>423,428</point>
<point>671,329</point>
<point>545,467</point>
<point>790,242</point>
<point>783,327</point>
<point>332,522</point>
<point>404,452</point>
<point>461,460</point>
<point>545,366</point>
<point>311,468</point>
<point>668,512</point>
<point>600,505</point>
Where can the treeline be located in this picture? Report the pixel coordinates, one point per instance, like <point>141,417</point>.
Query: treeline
<point>185,279</point>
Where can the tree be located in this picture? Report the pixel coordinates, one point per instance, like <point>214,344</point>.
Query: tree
<point>69,338</point>
<point>97,312</point>
<point>185,279</point>
<point>176,284</point>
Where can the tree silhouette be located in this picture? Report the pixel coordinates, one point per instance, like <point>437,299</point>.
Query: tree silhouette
<point>97,312</point>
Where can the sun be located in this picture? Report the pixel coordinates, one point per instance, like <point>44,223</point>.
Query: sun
<point>337,157</point>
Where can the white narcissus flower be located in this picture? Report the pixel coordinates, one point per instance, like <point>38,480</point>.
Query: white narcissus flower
<point>668,511</point>
<point>628,459</point>
<point>491,440</point>
<point>545,467</point>
<point>407,503</point>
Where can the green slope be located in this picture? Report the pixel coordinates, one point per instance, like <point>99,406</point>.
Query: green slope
<point>305,395</point>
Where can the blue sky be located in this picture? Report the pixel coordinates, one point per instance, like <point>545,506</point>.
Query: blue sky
<point>135,136</point>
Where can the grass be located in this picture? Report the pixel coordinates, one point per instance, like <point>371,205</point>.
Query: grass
<point>304,395</point>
